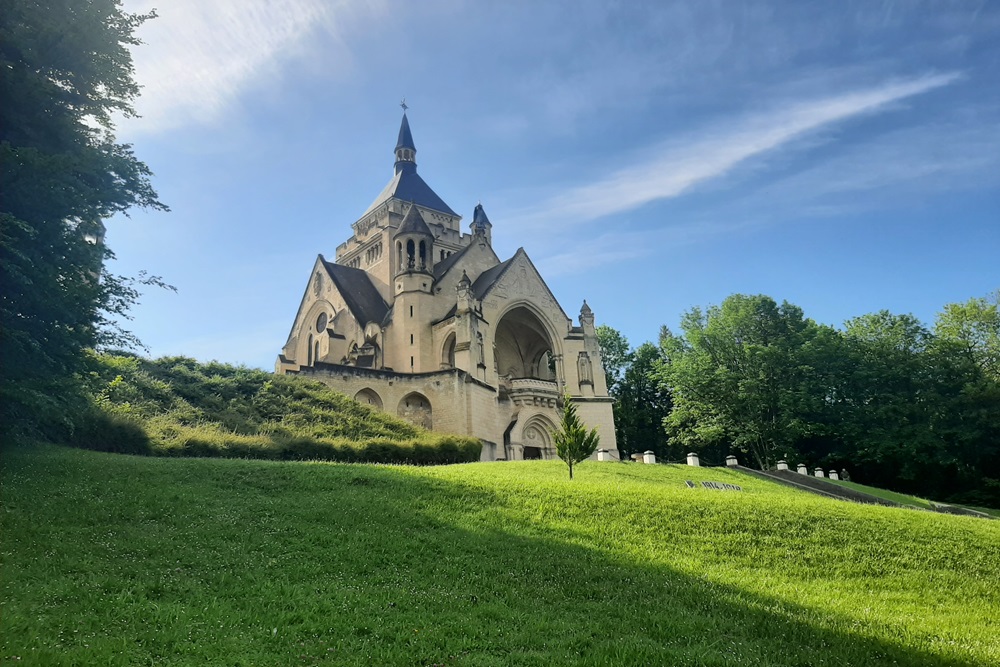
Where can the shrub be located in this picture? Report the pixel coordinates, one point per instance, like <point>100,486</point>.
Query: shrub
<point>105,432</point>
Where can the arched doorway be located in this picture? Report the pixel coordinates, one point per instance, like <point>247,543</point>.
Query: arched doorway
<point>536,438</point>
<point>369,397</point>
<point>416,409</point>
<point>448,352</point>
<point>523,347</point>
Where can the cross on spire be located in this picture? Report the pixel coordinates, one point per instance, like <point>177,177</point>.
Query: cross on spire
<point>403,105</point>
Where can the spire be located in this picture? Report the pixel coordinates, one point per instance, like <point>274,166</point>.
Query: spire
<point>406,152</point>
<point>405,139</point>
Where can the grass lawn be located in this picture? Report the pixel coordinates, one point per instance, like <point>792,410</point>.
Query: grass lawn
<point>884,494</point>
<point>115,560</point>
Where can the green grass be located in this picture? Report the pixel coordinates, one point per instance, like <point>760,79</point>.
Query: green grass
<point>120,560</point>
<point>901,498</point>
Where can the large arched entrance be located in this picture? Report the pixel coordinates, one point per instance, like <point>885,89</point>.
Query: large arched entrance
<point>523,347</point>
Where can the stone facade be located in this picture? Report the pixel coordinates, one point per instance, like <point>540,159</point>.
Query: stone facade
<point>424,321</point>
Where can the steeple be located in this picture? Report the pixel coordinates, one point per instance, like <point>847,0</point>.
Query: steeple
<point>406,152</point>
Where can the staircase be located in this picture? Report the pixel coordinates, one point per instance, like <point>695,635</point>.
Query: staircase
<point>816,485</point>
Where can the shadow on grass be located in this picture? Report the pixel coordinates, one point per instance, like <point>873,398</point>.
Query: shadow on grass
<point>230,562</point>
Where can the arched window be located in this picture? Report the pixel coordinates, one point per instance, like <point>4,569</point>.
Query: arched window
<point>410,252</point>
<point>423,255</point>
<point>309,351</point>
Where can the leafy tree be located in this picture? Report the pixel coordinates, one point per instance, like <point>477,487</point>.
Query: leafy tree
<point>641,404</point>
<point>975,327</point>
<point>615,354</point>
<point>735,377</point>
<point>65,70</point>
<point>574,442</point>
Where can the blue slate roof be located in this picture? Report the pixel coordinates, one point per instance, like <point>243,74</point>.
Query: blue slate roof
<point>405,138</point>
<point>360,294</point>
<point>408,186</point>
<point>479,218</point>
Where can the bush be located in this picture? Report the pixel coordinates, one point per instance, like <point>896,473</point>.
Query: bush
<point>105,432</point>
<point>176,406</point>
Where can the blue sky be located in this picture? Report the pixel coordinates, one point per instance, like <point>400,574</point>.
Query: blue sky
<point>650,157</point>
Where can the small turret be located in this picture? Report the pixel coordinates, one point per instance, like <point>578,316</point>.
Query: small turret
<point>481,225</point>
<point>586,316</point>
<point>414,243</point>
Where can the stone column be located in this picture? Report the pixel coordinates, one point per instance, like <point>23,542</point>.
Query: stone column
<point>648,457</point>
<point>803,470</point>
<point>782,465</point>
<point>693,459</point>
<point>818,472</point>
<point>731,461</point>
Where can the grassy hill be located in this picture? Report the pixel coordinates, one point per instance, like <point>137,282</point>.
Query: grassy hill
<point>177,406</point>
<point>110,559</point>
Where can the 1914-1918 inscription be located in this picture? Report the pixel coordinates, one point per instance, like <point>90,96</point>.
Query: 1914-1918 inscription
<point>715,485</point>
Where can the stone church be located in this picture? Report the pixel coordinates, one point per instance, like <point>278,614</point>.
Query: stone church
<point>417,318</point>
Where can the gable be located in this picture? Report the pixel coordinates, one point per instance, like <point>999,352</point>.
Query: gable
<point>474,259</point>
<point>515,279</point>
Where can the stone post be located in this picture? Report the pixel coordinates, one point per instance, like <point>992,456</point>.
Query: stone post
<point>782,465</point>
<point>819,472</point>
<point>833,474</point>
<point>803,470</point>
<point>648,457</point>
<point>731,461</point>
<point>603,455</point>
<point>693,459</point>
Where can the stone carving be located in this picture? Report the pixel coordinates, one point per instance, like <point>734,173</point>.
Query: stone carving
<point>481,348</point>
<point>585,368</point>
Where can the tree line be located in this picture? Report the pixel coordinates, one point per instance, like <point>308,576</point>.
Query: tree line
<point>65,73</point>
<point>897,403</point>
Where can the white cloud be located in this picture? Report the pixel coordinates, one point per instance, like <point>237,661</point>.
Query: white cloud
<point>199,55</point>
<point>672,169</point>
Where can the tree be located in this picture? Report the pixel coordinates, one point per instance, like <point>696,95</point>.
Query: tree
<point>615,354</point>
<point>65,70</point>
<point>975,327</point>
<point>641,404</point>
<point>735,378</point>
<point>574,442</point>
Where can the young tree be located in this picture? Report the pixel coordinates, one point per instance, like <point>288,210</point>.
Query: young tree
<point>65,70</point>
<point>574,442</point>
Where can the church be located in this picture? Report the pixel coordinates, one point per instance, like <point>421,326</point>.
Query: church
<point>420,319</point>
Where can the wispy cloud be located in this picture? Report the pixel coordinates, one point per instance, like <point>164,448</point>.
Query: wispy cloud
<point>199,56</point>
<point>672,169</point>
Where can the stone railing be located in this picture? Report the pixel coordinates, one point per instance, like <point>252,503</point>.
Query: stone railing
<point>532,391</point>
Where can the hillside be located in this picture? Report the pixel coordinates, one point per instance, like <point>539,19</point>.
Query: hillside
<point>177,406</point>
<point>111,559</point>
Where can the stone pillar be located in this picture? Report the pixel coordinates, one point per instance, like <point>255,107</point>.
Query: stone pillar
<point>731,461</point>
<point>782,465</point>
<point>693,459</point>
<point>603,455</point>
<point>803,470</point>
<point>819,472</point>
<point>648,457</point>
<point>833,474</point>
